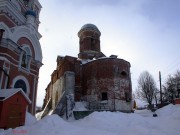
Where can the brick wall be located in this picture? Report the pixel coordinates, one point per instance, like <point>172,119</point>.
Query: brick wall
<point>4,18</point>
<point>177,101</point>
<point>106,74</point>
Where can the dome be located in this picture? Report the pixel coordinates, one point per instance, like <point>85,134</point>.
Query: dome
<point>90,26</point>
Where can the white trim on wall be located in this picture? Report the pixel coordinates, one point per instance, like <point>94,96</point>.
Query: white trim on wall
<point>32,35</point>
<point>21,55</point>
<point>7,34</point>
<point>2,75</point>
<point>24,79</point>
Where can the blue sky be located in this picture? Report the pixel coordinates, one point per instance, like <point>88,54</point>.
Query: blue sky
<point>144,32</point>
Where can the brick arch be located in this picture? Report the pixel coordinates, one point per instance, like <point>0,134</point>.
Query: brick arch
<point>25,41</point>
<point>32,35</point>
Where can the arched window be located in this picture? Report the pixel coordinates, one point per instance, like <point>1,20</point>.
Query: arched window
<point>1,33</point>
<point>21,84</point>
<point>26,57</point>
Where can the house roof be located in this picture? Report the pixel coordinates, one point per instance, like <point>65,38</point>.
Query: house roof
<point>7,93</point>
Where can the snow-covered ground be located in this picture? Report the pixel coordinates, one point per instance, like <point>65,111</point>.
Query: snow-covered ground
<point>107,123</point>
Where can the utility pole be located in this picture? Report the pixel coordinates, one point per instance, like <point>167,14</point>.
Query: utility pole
<point>114,102</point>
<point>160,87</point>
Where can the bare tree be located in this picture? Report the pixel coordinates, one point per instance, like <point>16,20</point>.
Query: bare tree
<point>171,87</point>
<point>146,87</point>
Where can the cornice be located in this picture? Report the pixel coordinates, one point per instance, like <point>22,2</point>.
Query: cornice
<point>13,12</point>
<point>38,4</point>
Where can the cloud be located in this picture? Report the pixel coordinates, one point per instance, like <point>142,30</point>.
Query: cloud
<point>89,3</point>
<point>163,11</point>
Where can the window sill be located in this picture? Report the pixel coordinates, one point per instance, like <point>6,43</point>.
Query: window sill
<point>25,70</point>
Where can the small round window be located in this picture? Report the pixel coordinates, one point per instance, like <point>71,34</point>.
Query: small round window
<point>21,84</point>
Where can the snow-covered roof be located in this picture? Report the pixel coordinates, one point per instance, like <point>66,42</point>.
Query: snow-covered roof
<point>7,93</point>
<point>85,61</point>
<point>61,56</point>
<point>113,56</point>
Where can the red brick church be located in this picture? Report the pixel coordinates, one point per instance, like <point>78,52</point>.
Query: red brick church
<point>20,49</point>
<point>92,81</point>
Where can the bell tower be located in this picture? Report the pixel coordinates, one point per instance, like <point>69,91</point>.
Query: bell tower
<point>20,49</point>
<point>89,42</point>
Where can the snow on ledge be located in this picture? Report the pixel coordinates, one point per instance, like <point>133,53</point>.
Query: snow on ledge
<point>80,106</point>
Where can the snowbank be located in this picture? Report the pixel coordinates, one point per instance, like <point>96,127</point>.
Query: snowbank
<point>38,115</point>
<point>108,123</point>
<point>169,110</point>
<point>30,119</point>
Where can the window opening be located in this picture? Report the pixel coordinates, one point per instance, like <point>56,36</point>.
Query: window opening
<point>104,96</point>
<point>21,84</point>
<point>25,58</point>
<point>123,73</point>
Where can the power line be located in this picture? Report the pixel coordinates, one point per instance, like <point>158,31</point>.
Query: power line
<point>172,64</point>
<point>170,69</point>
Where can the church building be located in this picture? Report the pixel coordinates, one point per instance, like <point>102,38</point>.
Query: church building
<point>92,81</point>
<point>20,49</point>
